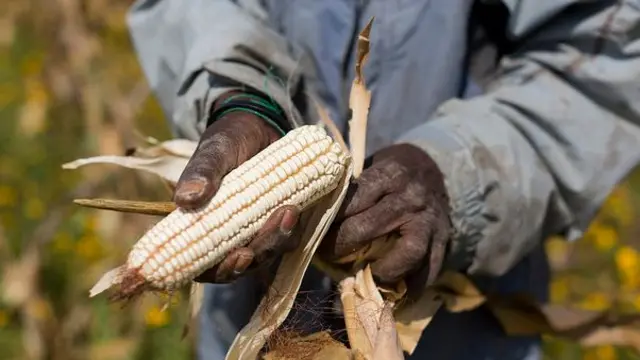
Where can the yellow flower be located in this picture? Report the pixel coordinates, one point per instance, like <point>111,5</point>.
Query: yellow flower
<point>556,248</point>
<point>618,206</point>
<point>35,90</point>
<point>156,317</point>
<point>595,301</point>
<point>7,196</point>
<point>559,289</point>
<point>34,208</point>
<point>606,352</point>
<point>88,247</point>
<point>627,261</point>
<point>604,236</point>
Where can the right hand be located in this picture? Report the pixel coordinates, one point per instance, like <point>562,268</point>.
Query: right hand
<point>224,145</point>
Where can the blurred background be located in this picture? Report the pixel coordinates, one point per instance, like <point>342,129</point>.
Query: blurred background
<point>71,87</point>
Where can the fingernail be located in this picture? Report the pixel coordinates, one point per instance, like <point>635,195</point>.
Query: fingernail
<point>191,189</point>
<point>288,222</point>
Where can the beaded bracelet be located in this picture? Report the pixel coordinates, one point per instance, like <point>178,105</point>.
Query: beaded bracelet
<point>253,104</point>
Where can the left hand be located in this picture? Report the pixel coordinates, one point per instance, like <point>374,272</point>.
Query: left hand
<point>402,192</point>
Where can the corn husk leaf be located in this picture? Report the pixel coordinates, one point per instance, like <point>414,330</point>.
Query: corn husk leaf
<point>129,206</point>
<point>182,148</point>
<point>359,100</point>
<point>167,159</point>
<point>369,318</point>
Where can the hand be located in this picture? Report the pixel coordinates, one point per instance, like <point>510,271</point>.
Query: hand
<point>402,192</point>
<point>225,144</point>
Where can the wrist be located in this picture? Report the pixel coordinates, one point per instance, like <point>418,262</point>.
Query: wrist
<point>256,104</point>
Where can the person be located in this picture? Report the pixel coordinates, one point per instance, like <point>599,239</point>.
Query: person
<point>493,125</point>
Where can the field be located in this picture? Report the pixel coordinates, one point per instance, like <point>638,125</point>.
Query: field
<point>71,87</point>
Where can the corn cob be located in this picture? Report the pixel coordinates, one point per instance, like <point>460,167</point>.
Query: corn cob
<point>299,169</point>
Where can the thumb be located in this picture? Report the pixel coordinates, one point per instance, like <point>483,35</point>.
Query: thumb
<point>224,145</point>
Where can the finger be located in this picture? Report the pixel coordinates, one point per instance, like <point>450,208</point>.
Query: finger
<point>438,250</point>
<point>277,235</point>
<point>224,145</point>
<point>429,270</point>
<point>270,238</point>
<point>407,254</point>
<point>233,266</point>
<point>374,183</point>
<point>350,235</point>
<point>214,157</point>
<point>363,193</point>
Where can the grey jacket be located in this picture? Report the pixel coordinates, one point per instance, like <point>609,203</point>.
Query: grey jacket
<point>556,126</point>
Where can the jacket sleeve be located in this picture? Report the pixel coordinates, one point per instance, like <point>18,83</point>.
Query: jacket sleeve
<point>192,52</point>
<point>538,153</point>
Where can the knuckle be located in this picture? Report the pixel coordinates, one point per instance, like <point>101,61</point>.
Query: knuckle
<point>349,234</point>
<point>395,171</point>
<point>415,195</point>
<point>387,174</point>
<point>216,143</point>
<point>382,171</point>
<point>369,177</point>
<point>415,248</point>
